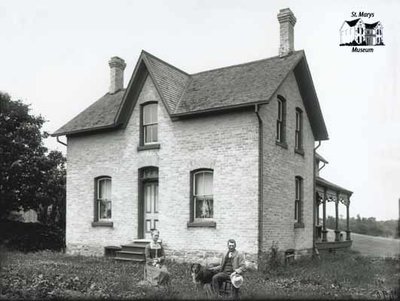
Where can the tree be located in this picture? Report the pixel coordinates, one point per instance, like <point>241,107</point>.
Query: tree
<point>30,177</point>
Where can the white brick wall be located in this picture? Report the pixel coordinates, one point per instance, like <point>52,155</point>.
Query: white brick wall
<point>281,166</point>
<point>228,143</point>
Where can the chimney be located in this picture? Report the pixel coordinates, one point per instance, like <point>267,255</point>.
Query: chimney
<point>287,20</point>
<point>117,66</point>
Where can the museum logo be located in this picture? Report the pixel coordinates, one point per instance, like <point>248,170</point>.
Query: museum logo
<point>357,33</point>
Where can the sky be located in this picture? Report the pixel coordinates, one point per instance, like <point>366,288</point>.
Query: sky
<point>54,56</point>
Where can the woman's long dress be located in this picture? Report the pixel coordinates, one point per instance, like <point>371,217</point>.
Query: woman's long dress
<point>156,274</point>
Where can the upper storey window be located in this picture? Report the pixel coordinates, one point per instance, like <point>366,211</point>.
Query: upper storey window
<point>281,121</point>
<point>149,123</point>
<point>299,131</point>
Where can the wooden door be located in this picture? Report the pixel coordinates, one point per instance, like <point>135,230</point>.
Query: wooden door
<point>150,196</point>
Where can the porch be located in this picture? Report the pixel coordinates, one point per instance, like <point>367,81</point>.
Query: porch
<point>328,192</point>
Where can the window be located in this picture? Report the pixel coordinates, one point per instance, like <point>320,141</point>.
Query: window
<point>149,131</point>
<point>202,198</point>
<point>281,121</point>
<point>103,199</point>
<point>298,199</point>
<point>298,132</point>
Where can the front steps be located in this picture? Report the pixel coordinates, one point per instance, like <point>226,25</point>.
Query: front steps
<point>134,251</point>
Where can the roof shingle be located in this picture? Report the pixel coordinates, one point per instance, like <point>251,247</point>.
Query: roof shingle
<point>99,115</point>
<point>246,83</point>
<point>170,80</point>
<point>213,90</point>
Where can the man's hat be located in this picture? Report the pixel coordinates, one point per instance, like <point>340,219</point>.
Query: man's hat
<point>237,280</point>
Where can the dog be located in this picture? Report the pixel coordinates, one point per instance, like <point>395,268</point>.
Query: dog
<point>202,277</point>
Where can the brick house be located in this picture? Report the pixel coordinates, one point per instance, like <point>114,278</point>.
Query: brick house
<point>224,153</point>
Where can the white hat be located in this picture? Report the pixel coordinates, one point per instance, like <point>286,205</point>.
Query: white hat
<point>237,280</point>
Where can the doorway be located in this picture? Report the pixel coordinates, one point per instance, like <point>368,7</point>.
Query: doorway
<point>148,201</point>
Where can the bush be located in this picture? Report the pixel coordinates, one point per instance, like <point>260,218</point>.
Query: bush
<point>30,237</point>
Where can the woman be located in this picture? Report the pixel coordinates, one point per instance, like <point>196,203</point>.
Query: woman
<point>156,271</point>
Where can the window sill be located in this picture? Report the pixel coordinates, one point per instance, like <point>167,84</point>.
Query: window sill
<point>281,144</point>
<point>298,225</point>
<point>299,151</point>
<point>102,224</point>
<point>148,146</point>
<point>205,224</point>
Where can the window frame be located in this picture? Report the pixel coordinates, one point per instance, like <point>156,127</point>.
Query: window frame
<point>97,219</point>
<point>281,122</point>
<point>298,136</point>
<point>200,222</point>
<point>143,144</point>
<point>298,202</point>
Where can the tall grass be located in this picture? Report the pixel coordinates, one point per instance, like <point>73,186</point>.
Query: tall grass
<point>45,275</point>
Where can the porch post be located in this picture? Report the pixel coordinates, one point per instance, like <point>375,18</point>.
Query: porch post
<point>347,220</point>
<point>324,231</point>
<point>337,232</point>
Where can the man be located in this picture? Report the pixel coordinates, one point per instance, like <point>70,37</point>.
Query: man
<point>231,263</point>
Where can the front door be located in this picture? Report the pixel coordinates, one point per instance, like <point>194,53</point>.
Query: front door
<point>150,196</point>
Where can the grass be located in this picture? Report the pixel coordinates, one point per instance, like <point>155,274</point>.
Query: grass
<point>52,275</point>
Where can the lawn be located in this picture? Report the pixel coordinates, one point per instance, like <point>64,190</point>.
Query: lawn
<point>50,275</point>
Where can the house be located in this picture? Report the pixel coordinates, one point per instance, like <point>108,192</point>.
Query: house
<point>357,32</point>
<point>224,153</point>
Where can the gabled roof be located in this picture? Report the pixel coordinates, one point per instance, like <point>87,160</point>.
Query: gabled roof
<point>235,85</point>
<point>170,80</point>
<point>371,26</point>
<point>353,22</point>
<point>186,95</point>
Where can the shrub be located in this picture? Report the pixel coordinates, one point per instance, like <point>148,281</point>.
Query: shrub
<point>30,237</point>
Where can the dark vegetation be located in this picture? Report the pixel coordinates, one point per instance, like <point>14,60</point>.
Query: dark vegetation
<point>367,226</point>
<point>31,237</point>
<point>52,275</point>
<point>31,177</point>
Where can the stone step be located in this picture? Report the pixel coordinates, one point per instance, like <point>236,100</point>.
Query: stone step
<point>130,255</point>
<point>134,247</point>
<point>129,259</point>
<point>143,242</point>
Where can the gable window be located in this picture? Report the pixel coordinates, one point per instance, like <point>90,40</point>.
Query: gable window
<point>149,119</point>
<point>281,121</point>
<point>298,201</point>
<point>102,206</point>
<point>299,131</point>
<point>202,198</point>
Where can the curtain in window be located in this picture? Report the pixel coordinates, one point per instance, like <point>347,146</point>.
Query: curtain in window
<point>104,198</point>
<point>203,195</point>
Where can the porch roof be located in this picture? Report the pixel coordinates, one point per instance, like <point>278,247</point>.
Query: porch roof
<point>324,183</point>
<point>320,158</point>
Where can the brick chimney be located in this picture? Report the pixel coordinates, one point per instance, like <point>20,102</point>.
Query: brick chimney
<point>287,20</point>
<point>117,66</point>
